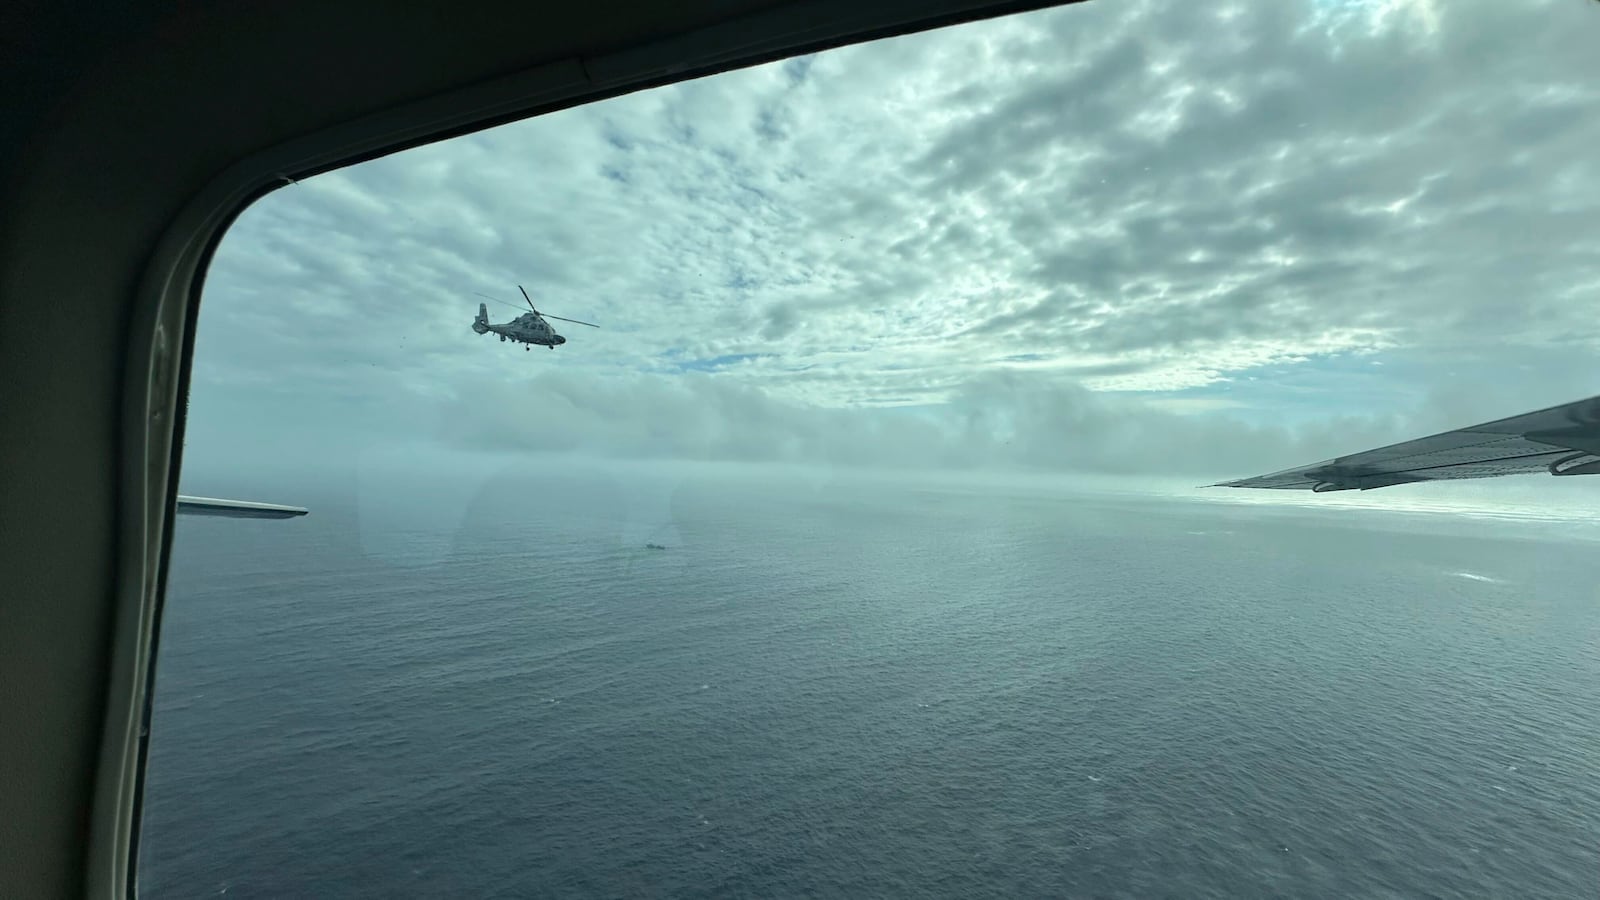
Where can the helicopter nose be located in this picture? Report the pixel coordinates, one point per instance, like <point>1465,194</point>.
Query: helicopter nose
<point>559,339</point>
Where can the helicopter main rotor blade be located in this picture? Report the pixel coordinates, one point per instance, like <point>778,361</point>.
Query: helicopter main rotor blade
<point>496,299</point>
<point>547,315</point>
<point>573,321</point>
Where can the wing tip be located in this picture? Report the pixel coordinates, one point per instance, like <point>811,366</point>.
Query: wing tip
<point>237,509</point>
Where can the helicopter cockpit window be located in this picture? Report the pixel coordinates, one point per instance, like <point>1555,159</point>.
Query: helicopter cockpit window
<point>812,506</point>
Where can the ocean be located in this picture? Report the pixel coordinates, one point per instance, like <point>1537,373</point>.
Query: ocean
<point>848,688</point>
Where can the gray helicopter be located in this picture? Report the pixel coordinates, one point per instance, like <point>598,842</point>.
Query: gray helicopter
<point>528,329</point>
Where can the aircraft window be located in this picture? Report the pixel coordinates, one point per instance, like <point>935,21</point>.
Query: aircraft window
<point>841,537</point>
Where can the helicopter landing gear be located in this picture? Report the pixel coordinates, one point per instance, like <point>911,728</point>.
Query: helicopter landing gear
<point>502,339</point>
<point>526,347</point>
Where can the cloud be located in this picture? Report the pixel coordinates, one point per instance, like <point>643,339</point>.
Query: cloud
<point>1189,228</point>
<point>997,421</point>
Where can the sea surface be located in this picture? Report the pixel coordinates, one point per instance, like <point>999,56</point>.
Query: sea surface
<point>841,688</point>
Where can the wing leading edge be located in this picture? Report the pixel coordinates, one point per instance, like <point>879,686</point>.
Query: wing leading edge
<point>1561,440</point>
<point>236,509</point>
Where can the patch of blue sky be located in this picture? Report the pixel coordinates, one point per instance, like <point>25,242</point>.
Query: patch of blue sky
<point>709,364</point>
<point>618,139</point>
<point>1338,18</point>
<point>1319,387</point>
<point>799,68</point>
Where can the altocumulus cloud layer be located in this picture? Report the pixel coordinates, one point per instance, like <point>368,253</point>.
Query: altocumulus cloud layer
<point>1114,236</point>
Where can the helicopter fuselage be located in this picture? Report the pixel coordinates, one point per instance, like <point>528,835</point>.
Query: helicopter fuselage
<point>528,328</point>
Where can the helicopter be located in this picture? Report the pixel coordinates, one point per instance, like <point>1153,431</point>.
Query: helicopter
<point>527,329</point>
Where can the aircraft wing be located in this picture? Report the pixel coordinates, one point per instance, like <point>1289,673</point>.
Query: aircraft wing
<point>236,509</point>
<point>1561,440</point>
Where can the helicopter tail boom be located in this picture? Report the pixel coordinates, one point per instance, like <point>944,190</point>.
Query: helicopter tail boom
<point>481,323</point>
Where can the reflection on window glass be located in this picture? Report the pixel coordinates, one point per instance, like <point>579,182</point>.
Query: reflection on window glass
<point>855,550</point>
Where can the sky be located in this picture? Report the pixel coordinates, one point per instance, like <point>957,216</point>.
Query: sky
<point>1193,241</point>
